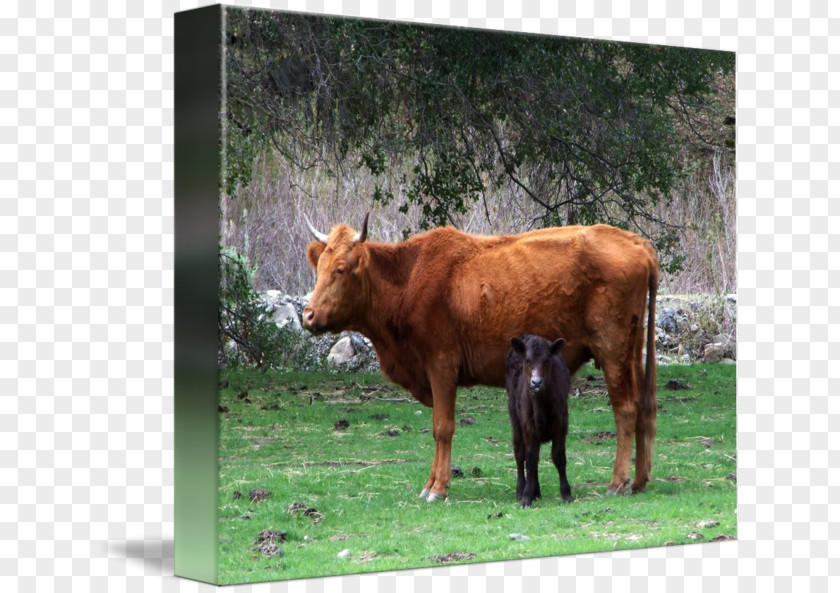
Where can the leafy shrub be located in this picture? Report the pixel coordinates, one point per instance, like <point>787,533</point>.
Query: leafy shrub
<point>248,335</point>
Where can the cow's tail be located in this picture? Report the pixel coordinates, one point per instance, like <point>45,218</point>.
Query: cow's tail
<point>649,387</point>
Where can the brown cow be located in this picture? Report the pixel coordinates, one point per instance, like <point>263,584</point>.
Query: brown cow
<point>440,309</point>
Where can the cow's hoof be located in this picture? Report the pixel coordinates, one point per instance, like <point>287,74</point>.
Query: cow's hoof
<point>636,488</point>
<point>622,488</point>
<point>424,493</point>
<point>433,497</point>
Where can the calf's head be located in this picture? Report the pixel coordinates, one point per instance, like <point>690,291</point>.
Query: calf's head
<point>536,354</point>
<point>338,297</point>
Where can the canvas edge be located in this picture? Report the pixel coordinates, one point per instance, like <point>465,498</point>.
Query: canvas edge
<point>197,84</point>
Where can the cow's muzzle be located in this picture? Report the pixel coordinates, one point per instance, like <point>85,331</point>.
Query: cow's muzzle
<point>309,322</point>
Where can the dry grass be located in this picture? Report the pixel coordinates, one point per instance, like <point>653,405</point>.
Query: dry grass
<point>265,220</point>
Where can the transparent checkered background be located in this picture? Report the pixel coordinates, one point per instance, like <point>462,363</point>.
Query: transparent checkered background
<point>86,297</point>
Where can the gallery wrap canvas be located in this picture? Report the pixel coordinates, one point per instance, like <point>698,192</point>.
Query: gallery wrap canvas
<point>367,214</point>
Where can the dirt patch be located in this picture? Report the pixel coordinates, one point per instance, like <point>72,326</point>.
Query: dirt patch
<point>627,537</point>
<point>267,543</point>
<point>681,400</point>
<point>340,537</point>
<point>452,556</point>
<point>301,508</point>
<point>706,442</point>
<point>601,437</point>
<point>258,494</point>
<point>332,464</point>
<point>674,385</point>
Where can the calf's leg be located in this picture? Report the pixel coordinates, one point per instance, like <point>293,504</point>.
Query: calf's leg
<point>532,459</point>
<point>519,455</point>
<point>558,456</point>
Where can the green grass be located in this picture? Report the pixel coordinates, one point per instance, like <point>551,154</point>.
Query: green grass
<point>364,484</point>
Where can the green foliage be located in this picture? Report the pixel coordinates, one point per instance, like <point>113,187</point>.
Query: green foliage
<point>247,334</point>
<point>363,482</point>
<point>584,128</point>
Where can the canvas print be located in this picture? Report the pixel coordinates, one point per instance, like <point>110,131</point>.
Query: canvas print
<point>476,296</point>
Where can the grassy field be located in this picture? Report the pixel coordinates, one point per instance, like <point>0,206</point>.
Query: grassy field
<point>345,456</point>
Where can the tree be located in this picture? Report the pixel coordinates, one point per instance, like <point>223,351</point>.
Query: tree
<point>585,129</point>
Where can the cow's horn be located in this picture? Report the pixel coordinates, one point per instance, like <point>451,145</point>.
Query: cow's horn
<point>319,236</point>
<point>360,237</point>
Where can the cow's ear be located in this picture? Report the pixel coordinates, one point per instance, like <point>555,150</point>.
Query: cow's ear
<point>313,253</point>
<point>556,346</point>
<point>518,345</point>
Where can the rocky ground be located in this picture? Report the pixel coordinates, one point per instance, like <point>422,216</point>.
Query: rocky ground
<point>689,328</point>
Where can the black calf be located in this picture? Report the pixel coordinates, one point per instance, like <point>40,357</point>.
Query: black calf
<point>538,401</point>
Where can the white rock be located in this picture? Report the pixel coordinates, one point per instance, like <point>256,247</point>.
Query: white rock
<point>712,352</point>
<point>342,352</point>
<point>285,316</point>
<point>345,554</point>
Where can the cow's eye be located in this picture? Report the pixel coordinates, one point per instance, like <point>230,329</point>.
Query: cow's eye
<point>339,270</point>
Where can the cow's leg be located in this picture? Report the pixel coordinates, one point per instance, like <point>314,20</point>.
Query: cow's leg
<point>443,426</point>
<point>624,397</point>
<point>645,433</point>
<point>558,456</point>
<point>532,459</point>
<point>426,493</point>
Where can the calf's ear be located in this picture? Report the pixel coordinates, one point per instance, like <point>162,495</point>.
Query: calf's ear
<point>313,253</point>
<point>518,345</point>
<point>557,345</point>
